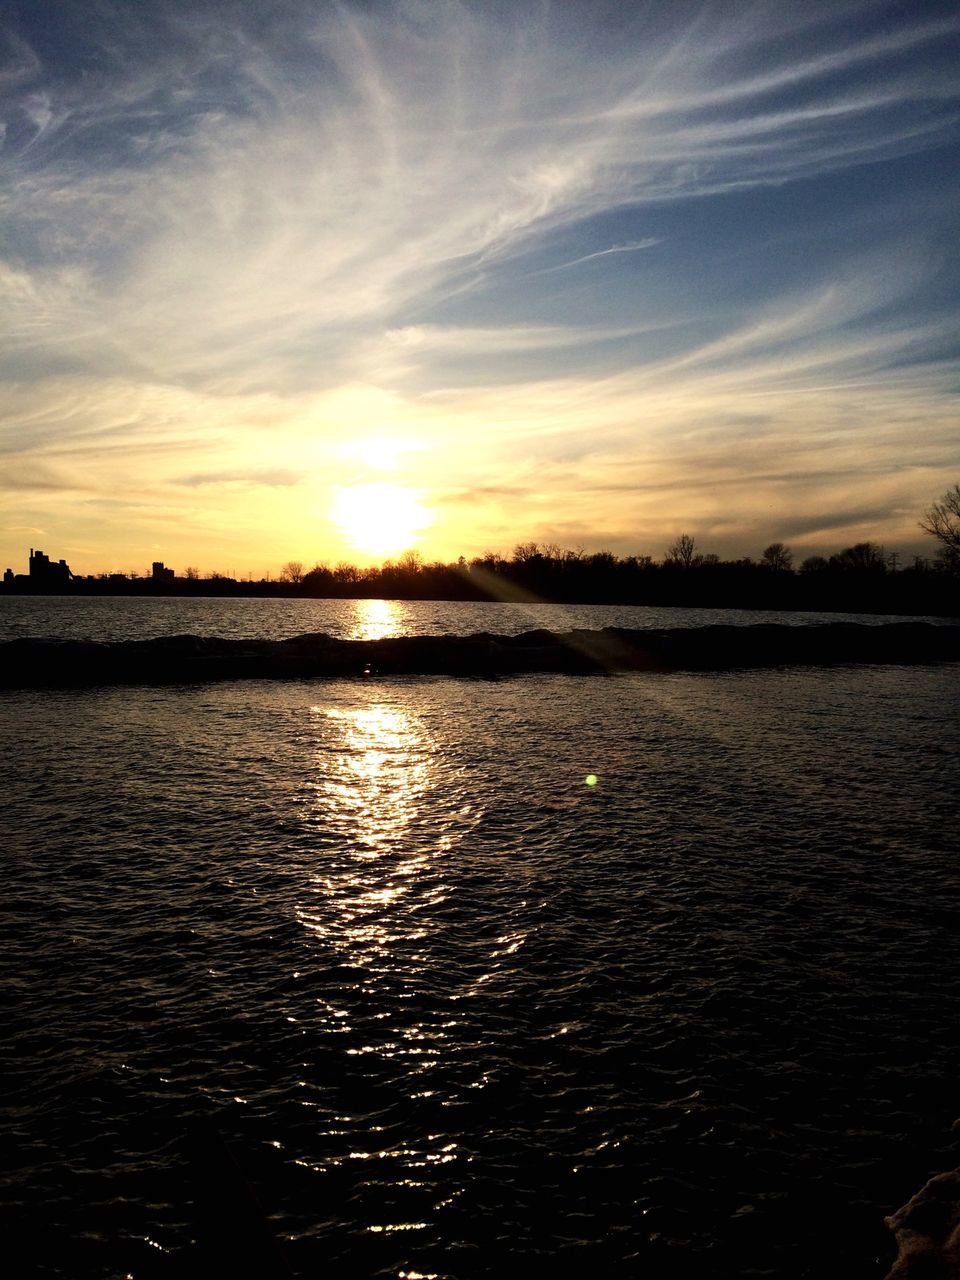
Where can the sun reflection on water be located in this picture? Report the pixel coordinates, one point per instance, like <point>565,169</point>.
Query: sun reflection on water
<point>375,619</point>
<point>379,776</point>
<point>373,774</point>
<point>370,897</point>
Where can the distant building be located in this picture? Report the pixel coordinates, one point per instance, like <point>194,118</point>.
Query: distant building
<point>161,573</point>
<point>45,571</point>
<point>8,578</point>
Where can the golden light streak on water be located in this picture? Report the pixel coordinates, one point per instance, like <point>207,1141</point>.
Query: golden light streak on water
<point>376,619</point>
<point>372,782</point>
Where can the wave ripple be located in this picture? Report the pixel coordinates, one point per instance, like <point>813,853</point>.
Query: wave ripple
<point>453,1011</point>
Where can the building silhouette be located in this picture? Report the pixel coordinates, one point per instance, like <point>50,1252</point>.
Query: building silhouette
<point>47,572</point>
<point>161,573</point>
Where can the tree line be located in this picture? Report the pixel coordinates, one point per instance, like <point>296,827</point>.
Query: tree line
<point>863,576</point>
<point>860,578</point>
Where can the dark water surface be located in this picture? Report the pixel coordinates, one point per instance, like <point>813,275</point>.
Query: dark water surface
<point>109,618</point>
<point>457,1013</point>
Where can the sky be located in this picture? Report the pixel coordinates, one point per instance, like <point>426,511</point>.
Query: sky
<point>302,280</point>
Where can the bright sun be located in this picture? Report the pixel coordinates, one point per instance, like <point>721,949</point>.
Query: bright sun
<point>380,519</point>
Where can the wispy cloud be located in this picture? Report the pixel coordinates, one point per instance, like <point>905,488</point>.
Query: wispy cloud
<point>272,479</point>
<point>235,237</point>
<point>633,247</point>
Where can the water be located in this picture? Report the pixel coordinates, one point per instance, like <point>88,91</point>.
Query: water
<point>146,617</point>
<point>457,1013</point>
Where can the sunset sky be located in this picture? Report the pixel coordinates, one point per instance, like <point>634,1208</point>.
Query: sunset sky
<point>292,279</point>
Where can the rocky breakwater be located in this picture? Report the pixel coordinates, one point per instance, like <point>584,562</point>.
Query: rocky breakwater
<point>927,1230</point>
<point>29,663</point>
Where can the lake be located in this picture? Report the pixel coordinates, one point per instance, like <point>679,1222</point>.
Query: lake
<point>452,1010</point>
<point>110,618</point>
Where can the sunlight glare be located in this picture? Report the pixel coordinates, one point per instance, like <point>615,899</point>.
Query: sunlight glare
<point>380,453</point>
<point>381,519</point>
<point>374,619</point>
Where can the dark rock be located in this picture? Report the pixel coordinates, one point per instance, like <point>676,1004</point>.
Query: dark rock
<point>188,659</point>
<point>927,1230</point>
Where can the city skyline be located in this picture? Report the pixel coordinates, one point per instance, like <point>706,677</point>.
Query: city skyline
<point>320,282</point>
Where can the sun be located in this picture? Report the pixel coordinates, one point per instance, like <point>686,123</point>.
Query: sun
<point>380,519</point>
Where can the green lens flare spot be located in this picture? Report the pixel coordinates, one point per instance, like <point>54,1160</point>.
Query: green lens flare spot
<point>591,779</point>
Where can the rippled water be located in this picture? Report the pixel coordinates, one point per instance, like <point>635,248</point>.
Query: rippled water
<point>457,1013</point>
<point>146,617</point>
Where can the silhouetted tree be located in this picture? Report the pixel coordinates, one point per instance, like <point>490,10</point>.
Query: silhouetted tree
<point>292,571</point>
<point>683,551</point>
<point>491,561</point>
<point>778,556</point>
<point>411,562</point>
<point>863,557</point>
<point>814,564</point>
<point>192,573</point>
<point>524,552</point>
<point>346,572</point>
<point>942,521</point>
<point>318,579</point>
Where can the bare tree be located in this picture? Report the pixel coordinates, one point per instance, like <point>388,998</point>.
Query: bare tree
<point>525,551</point>
<point>683,551</point>
<point>490,561</point>
<point>346,573</point>
<point>863,557</point>
<point>191,572</point>
<point>778,556</point>
<point>942,521</point>
<point>292,571</point>
<point>410,562</point>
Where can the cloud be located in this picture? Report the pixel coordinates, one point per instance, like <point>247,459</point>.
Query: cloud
<point>834,522</point>
<point>278,479</point>
<point>238,238</point>
<point>635,246</point>
<point>506,339</point>
<point>37,478</point>
<point>264,215</point>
